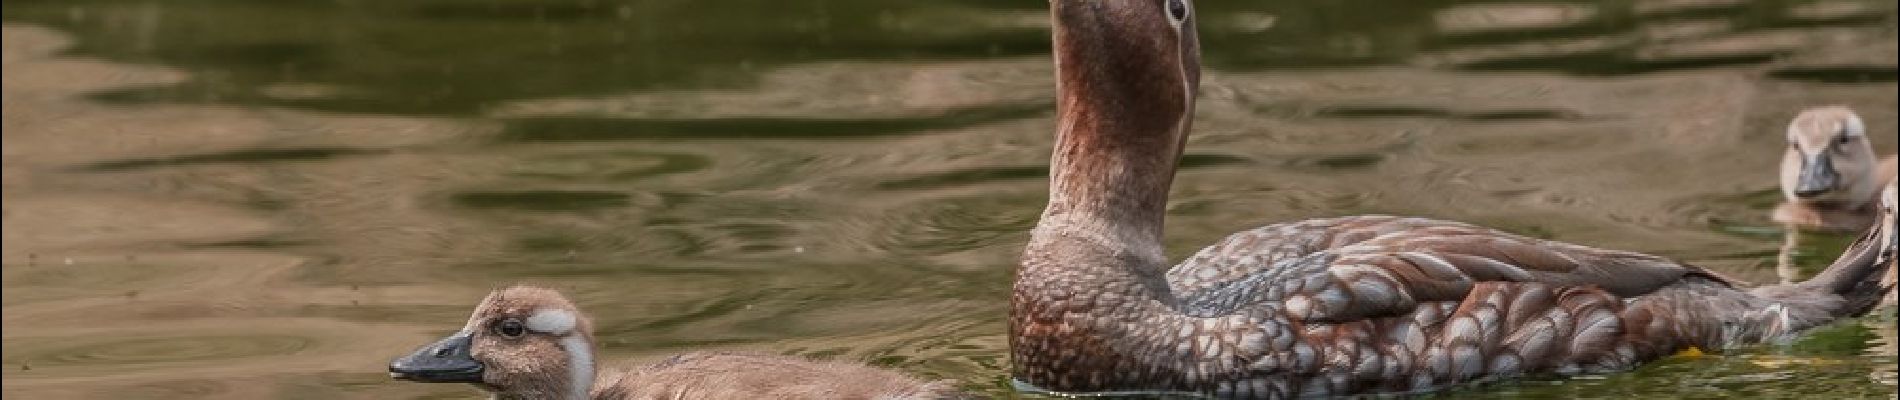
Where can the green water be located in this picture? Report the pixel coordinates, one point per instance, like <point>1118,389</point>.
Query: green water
<point>271,199</point>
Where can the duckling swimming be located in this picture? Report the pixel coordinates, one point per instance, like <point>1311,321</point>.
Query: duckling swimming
<point>1830,176</point>
<point>532,343</point>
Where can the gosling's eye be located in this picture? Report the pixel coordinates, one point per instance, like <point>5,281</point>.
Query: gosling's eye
<point>1178,10</point>
<point>510,328</point>
<point>1843,139</point>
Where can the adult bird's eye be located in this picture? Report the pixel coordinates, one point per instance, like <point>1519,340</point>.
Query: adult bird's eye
<point>1178,10</point>
<point>511,328</point>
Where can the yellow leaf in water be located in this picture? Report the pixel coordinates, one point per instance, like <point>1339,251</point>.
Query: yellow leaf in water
<point>1691,352</point>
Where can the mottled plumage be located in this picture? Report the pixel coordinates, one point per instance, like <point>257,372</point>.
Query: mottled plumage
<point>1332,306</point>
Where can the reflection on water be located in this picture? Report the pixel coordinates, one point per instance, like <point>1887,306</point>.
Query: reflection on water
<point>270,199</point>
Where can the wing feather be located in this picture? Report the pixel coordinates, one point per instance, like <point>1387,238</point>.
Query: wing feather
<point>1342,269</point>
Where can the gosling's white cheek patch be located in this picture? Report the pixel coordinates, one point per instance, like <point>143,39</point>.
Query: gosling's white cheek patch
<point>1854,127</point>
<point>556,322</point>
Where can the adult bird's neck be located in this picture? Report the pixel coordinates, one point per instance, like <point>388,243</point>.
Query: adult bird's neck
<point>1093,274</point>
<point>1091,288</point>
<point>1122,120</point>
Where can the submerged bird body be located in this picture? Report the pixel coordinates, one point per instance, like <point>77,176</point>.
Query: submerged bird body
<point>532,343</point>
<point>711,375</point>
<point>1370,304</point>
<point>1830,176</point>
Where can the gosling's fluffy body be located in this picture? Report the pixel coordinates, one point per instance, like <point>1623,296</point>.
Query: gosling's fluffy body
<point>709,375</point>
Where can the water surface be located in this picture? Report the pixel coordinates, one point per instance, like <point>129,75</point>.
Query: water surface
<point>270,199</point>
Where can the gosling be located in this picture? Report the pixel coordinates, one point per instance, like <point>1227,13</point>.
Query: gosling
<point>1830,177</point>
<point>532,343</point>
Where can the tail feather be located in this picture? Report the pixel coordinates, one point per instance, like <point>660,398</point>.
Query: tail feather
<point>1864,275</point>
<point>1857,282</point>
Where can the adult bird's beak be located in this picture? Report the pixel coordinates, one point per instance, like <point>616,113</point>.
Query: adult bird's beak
<point>446,360</point>
<point>1817,176</point>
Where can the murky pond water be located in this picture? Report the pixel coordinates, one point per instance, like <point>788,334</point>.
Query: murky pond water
<point>270,199</point>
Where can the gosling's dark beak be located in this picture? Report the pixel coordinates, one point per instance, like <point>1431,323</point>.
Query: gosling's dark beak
<point>446,360</point>
<point>1817,176</point>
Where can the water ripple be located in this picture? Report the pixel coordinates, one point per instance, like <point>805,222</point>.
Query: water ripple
<point>102,352</point>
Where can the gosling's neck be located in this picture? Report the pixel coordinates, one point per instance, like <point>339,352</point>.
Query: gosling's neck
<point>580,367</point>
<point>575,381</point>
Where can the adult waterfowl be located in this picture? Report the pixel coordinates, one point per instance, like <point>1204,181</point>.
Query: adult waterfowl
<point>532,343</point>
<point>1332,306</point>
<point>1830,176</point>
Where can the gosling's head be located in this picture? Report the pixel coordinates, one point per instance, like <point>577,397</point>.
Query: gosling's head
<point>1829,158</point>
<point>521,342</point>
